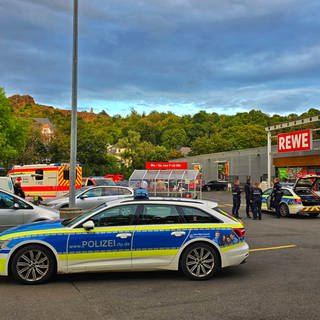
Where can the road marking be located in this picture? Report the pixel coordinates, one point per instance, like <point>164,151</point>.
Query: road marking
<point>273,248</point>
<point>225,205</point>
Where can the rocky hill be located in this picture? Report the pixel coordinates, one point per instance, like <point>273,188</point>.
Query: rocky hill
<point>24,105</point>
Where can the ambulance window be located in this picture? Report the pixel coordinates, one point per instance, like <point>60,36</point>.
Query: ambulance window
<point>66,174</point>
<point>39,174</point>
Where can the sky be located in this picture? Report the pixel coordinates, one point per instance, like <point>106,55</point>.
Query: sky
<point>182,56</point>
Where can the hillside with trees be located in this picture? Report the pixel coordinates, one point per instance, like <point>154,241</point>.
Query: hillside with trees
<point>156,136</point>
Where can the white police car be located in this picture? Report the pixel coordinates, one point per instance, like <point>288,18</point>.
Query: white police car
<point>193,236</point>
<point>301,198</point>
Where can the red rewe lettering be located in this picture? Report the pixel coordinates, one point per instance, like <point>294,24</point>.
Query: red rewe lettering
<point>295,141</point>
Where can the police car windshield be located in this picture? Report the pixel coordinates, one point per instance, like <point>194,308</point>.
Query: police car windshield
<point>71,222</point>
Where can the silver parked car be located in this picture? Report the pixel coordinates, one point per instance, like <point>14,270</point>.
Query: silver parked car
<point>92,196</point>
<point>15,211</point>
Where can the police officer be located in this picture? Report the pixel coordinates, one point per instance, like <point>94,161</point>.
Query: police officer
<point>256,201</point>
<point>276,196</point>
<point>248,191</point>
<point>236,197</point>
<point>18,189</point>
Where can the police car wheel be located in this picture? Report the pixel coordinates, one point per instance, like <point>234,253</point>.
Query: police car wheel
<point>199,262</point>
<point>284,210</point>
<point>33,264</point>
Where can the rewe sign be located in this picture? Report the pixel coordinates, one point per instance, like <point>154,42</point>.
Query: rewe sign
<point>295,141</point>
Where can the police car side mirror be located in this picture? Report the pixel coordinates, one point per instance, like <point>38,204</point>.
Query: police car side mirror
<point>88,225</point>
<point>16,206</point>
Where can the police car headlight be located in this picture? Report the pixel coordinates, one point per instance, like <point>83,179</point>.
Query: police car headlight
<point>3,243</point>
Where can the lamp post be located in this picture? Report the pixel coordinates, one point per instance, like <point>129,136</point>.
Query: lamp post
<point>73,136</point>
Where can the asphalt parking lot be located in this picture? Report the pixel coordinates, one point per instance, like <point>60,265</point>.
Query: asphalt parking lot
<point>281,280</point>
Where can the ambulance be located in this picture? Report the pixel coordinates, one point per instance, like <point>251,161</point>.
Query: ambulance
<point>45,180</point>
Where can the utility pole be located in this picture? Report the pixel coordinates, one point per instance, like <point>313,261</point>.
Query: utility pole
<point>73,136</point>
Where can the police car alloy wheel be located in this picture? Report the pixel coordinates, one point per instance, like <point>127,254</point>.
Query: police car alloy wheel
<point>200,261</point>
<point>33,264</point>
<point>284,210</point>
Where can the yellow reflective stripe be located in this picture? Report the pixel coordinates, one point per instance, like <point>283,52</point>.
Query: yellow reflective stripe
<point>59,231</point>
<point>154,252</point>
<point>96,255</point>
<point>2,265</point>
<point>188,226</point>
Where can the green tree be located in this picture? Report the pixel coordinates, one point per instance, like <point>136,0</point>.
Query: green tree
<point>174,138</point>
<point>13,132</point>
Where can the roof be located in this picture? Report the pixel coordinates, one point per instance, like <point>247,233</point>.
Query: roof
<point>164,175</point>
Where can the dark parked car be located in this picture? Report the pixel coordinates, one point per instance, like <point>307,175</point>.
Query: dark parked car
<point>215,185</point>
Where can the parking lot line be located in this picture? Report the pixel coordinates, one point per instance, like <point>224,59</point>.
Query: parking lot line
<point>274,248</point>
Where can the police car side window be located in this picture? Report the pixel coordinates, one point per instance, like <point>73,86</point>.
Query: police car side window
<point>286,192</point>
<point>160,214</point>
<point>194,215</point>
<point>118,216</point>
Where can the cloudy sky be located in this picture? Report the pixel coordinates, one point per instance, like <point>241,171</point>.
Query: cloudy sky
<point>223,56</point>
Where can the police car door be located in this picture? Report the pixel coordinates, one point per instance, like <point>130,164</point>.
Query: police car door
<point>108,245</point>
<point>158,236</point>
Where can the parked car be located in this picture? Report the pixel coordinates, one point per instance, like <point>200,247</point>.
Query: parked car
<point>97,181</point>
<point>6,183</point>
<point>298,199</point>
<point>217,185</point>
<point>15,211</point>
<point>90,197</point>
<point>147,234</point>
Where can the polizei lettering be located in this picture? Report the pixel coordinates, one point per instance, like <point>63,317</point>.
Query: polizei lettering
<point>98,244</point>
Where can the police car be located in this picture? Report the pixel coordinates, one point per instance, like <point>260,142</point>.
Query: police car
<point>301,198</point>
<point>193,236</point>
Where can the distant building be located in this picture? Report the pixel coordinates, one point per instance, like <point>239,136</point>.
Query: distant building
<point>117,152</point>
<point>185,151</point>
<point>46,127</point>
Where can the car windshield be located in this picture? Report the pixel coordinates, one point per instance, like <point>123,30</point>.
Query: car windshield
<point>71,222</point>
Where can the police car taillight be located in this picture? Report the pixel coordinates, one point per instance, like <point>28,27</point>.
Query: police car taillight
<point>297,201</point>
<point>240,232</point>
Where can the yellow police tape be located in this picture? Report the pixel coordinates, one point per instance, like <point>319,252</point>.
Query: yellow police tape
<point>273,248</point>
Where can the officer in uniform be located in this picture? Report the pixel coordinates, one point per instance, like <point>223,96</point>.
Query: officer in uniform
<point>17,189</point>
<point>248,191</point>
<point>236,197</point>
<point>256,201</point>
<point>276,196</point>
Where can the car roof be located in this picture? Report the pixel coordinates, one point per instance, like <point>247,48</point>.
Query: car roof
<point>167,200</point>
